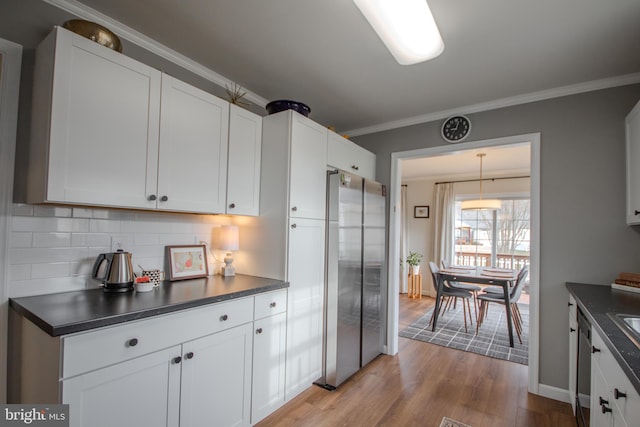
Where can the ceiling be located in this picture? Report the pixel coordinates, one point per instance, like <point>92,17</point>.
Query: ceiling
<point>510,160</point>
<point>325,54</point>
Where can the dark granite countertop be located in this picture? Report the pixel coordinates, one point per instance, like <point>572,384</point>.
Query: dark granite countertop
<point>67,312</point>
<point>596,301</point>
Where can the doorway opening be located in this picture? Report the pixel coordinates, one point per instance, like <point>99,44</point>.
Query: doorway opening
<point>531,142</point>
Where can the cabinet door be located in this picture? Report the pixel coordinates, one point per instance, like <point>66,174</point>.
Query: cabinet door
<point>573,351</point>
<point>192,165</point>
<point>216,379</point>
<point>599,395</point>
<point>348,156</point>
<point>308,178</point>
<point>632,124</point>
<point>140,392</point>
<point>268,365</point>
<point>243,172</point>
<point>305,304</point>
<point>103,125</point>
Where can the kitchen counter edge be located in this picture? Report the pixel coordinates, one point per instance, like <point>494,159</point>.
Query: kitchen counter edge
<point>77,311</point>
<point>596,301</point>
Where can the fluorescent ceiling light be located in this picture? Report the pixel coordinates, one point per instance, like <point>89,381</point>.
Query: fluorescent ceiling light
<point>406,27</point>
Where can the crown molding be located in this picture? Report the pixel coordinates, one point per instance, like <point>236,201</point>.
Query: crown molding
<point>574,89</point>
<point>85,12</point>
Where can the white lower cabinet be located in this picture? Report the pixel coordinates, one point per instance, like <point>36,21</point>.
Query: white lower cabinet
<point>573,351</point>
<point>216,379</point>
<point>141,392</point>
<point>614,400</point>
<point>204,382</point>
<point>218,365</point>
<point>269,342</point>
<point>601,405</point>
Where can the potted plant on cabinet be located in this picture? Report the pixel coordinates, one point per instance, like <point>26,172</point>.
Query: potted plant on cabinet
<point>413,260</point>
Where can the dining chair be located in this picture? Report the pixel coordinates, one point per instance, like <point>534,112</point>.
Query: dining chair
<point>487,297</point>
<point>473,288</point>
<point>450,294</point>
<point>497,289</point>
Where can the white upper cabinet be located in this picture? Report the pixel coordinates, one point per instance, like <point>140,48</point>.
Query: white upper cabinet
<point>95,125</point>
<point>348,156</point>
<point>308,182</point>
<point>110,131</point>
<point>192,162</point>
<point>243,174</point>
<point>632,127</point>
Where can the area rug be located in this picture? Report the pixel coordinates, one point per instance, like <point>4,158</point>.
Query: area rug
<point>448,422</point>
<point>492,339</point>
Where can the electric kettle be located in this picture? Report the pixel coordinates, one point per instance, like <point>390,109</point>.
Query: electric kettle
<point>115,271</point>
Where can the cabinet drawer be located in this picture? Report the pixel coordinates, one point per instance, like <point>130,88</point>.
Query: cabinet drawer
<point>629,406</point>
<point>600,352</point>
<point>270,303</point>
<point>95,349</point>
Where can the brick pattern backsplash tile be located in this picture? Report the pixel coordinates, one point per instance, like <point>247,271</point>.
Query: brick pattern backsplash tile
<point>52,249</point>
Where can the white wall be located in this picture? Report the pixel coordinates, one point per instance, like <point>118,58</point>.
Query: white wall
<point>52,249</point>
<point>421,230</point>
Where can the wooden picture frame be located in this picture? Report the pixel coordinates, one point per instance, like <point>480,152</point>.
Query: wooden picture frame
<point>421,211</point>
<point>187,262</point>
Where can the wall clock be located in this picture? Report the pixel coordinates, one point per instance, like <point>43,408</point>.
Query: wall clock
<point>456,128</point>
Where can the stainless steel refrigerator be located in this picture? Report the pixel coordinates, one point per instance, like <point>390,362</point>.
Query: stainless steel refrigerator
<point>355,251</point>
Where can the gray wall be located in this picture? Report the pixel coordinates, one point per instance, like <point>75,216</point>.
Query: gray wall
<point>583,234</point>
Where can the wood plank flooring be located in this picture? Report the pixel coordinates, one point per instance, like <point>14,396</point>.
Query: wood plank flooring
<point>422,384</point>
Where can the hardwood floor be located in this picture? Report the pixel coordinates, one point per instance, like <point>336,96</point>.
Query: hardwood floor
<point>422,384</point>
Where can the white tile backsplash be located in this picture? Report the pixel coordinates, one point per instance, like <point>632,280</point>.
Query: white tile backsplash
<point>146,239</point>
<point>21,239</point>
<point>104,226</point>
<point>51,240</point>
<point>52,249</point>
<point>49,211</point>
<point>42,271</point>
<point>19,272</point>
<point>51,224</point>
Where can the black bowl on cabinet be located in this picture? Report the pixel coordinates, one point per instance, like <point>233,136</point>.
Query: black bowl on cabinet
<point>285,104</point>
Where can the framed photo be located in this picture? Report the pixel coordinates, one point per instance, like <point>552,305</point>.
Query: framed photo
<point>187,262</point>
<point>421,211</point>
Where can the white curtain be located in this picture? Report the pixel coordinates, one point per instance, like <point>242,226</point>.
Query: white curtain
<point>404,220</point>
<point>444,223</point>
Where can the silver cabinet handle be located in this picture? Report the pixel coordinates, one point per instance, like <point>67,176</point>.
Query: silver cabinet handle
<point>295,208</point>
<point>164,198</point>
<point>259,331</point>
<point>224,318</point>
<point>293,226</point>
<point>232,205</point>
<point>272,305</point>
<point>151,198</point>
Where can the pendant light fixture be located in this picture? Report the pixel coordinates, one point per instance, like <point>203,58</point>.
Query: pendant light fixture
<point>481,204</point>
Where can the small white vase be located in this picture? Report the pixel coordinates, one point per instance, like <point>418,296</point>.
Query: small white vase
<point>415,270</point>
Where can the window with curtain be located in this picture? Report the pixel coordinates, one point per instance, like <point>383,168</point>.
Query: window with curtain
<point>493,238</point>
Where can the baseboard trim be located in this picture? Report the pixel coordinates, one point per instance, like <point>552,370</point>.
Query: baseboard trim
<point>554,393</point>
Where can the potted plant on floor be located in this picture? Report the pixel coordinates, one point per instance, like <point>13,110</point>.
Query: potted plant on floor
<point>413,260</point>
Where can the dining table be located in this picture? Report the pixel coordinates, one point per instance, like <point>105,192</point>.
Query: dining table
<point>504,278</point>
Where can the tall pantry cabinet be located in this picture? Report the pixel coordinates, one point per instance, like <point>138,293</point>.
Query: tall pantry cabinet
<point>292,211</point>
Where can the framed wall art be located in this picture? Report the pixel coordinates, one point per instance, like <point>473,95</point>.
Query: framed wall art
<point>421,211</point>
<point>187,262</point>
